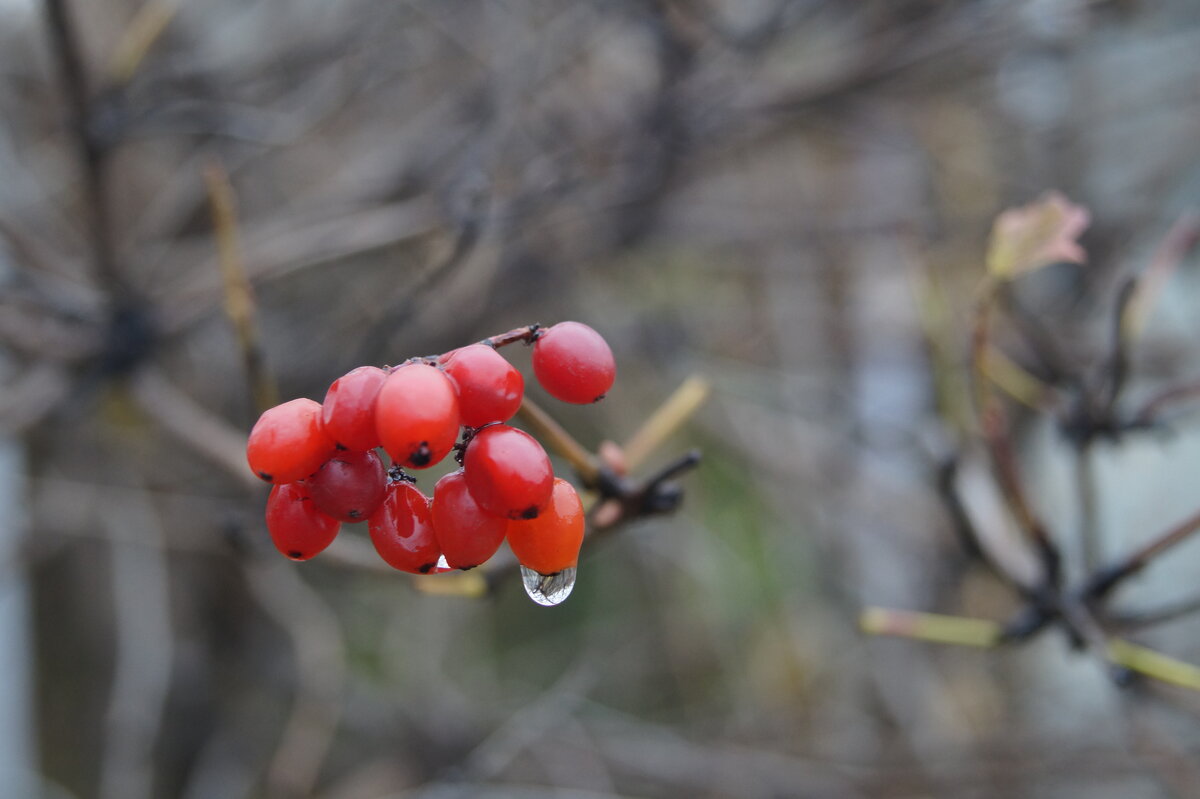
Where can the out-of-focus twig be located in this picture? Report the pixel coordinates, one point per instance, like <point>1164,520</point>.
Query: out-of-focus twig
<point>203,431</point>
<point>1150,410</point>
<point>239,295</point>
<point>92,152</point>
<point>669,417</point>
<point>1104,581</point>
<point>997,436</point>
<point>471,222</point>
<point>32,395</point>
<point>1117,373</point>
<point>1154,664</point>
<point>984,633</point>
<point>1152,616</point>
<point>1180,240</point>
<point>140,35</point>
<point>935,627</point>
<point>1015,380</point>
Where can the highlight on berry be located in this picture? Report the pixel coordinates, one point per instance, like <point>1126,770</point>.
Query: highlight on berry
<point>343,460</point>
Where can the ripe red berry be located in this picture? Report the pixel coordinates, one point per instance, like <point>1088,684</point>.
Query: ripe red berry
<point>466,533</point>
<point>416,415</point>
<point>289,442</point>
<point>573,363</point>
<point>508,472</point>
<point>350,486</point>
<point>489,387</point>
<point>298,529</point>
<point>402,530</point>
<point>349,408</point>
<point>551,542</point>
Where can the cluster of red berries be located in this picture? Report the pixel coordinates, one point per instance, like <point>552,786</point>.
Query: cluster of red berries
<point>323,459</point>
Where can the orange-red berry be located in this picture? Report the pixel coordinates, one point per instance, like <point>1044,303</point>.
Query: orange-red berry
<point>289,442</point>
<point>416,415</point>
<point>551,542</point>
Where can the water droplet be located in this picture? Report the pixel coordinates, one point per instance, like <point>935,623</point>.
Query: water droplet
<point>548,589</point>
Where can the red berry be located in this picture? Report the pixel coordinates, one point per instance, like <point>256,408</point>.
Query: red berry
<point>416,415</point>
<point>551,542</point>
<point>508,472</point>
<point>350,486</point>
<point>402,530</point>
<point>289,442</point>
<point>349,408</point>
<point>298,529</point>
<point>489,387</point>
<point>573,363</point>
<point>466,534</point>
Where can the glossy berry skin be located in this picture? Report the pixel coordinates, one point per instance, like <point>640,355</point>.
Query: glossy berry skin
<point>508,472</point>
<point>489,387</point>
<point>573,363</point>
<point>551,542</point>
<point>350,486</point>
<point>402,530</point>
<point>348,411</point>
<point>289,442</point>
<point>298,529</point>
<point>416,415</point>
<point>466,534</point>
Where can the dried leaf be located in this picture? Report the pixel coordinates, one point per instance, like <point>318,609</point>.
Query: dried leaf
<point>1036,235</point>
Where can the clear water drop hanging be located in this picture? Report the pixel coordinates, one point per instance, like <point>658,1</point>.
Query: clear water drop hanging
<point>548,589</point>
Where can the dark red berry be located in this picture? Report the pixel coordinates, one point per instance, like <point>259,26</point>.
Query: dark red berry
<point>297,527</point>
<point>466,534</point>
<point>350,486</point>
<point>402,530</point>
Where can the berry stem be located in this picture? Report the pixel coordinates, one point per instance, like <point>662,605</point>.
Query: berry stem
<point>527,334</point>
<point>562,442</point>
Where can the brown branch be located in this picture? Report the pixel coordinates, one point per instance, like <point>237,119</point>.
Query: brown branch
<point>1104,581</point>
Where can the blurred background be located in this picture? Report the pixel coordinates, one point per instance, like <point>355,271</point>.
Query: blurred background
<point>759,192</point>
